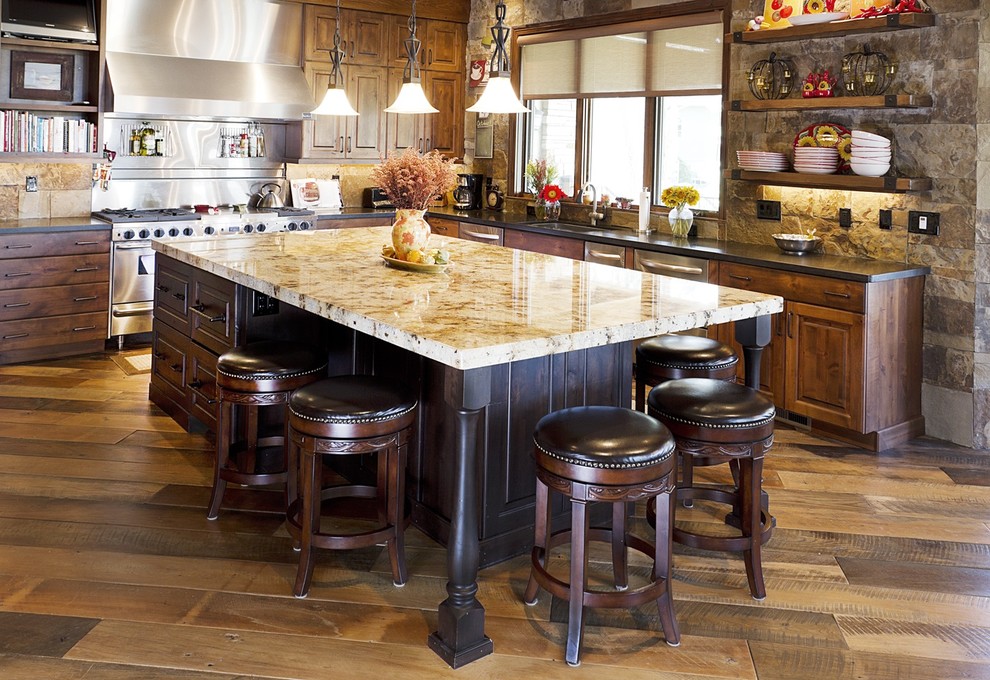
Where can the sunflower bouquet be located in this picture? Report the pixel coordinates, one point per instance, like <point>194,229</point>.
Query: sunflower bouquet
<point>679,196</point>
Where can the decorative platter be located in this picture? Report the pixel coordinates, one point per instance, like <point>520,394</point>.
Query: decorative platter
<point>420,267</point>
<point>819,18</point>
<point>828,135</point>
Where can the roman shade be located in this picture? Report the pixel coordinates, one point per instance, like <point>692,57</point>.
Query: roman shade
<point>655,57</point>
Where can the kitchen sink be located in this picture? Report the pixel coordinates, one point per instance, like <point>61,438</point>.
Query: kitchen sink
<point>567,226</point>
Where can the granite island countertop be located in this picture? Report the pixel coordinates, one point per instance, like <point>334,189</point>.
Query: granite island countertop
<point>491,306</point>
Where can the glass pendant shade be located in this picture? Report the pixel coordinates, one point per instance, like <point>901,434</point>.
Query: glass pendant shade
<point>411,99</point>
<point>335,104</point>
<point>499,97</point>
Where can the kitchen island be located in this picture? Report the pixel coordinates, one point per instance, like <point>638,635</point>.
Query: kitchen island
<point>493,343</point>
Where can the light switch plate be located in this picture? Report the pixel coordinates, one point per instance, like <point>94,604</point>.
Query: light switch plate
<point>30,183</point>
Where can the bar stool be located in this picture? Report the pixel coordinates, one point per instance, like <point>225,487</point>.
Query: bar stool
<point>257,375</point>
<point>670,357</point>
<point>613,455</point>
<point>731,423</point>
<point>348,416</point>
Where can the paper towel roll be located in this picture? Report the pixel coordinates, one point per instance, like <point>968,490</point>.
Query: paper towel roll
<point>644,209</point>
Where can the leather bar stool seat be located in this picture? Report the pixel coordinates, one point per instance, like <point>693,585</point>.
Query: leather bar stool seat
<point>260,374</point>
<point>669,357</point>
<point>612,455</point>
<point>348,416</point>
<point>732,423</point>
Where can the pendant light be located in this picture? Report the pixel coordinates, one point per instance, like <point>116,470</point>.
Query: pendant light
<point>335,102</point>
<point>411,98</point>
<point>499,95</point>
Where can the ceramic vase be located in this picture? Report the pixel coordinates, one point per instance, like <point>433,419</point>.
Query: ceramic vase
<point>681,218</point>
<point>552,213</point>
<point>410,231</point>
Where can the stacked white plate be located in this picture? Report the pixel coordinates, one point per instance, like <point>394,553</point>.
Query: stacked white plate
<point>816,160</point>
<point>869,154</point>
<point>762,161</point>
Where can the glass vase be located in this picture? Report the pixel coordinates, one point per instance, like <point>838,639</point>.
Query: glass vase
<point>552,213</point>
<point>540,209</point>
<point>681,218</point>
<point>410,231</point>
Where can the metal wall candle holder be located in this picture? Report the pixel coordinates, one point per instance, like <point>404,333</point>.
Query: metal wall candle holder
<point>867,73</point>
<point>771,78</point>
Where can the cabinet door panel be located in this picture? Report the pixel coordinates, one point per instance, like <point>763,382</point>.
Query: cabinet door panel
<point>202,385</point>
<point>444,46</point>
<point>320,25</point>
<point>825,364</point>
<point>324,136</point>
<point>445,130</point>
<point>172,291</point>
<point>365,138</point>
<point>213,312</point>
<point>366,37</point>
<point>168,362</point>
<point>403,131</point>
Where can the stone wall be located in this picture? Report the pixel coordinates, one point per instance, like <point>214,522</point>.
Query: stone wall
<point>64,190</point>
<point>948,143</point>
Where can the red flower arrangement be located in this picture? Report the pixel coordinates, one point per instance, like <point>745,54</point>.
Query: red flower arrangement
<point>552,193</point>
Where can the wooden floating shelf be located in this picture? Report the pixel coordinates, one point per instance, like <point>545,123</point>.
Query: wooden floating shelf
<point>63,109</point>
<point>50,44</point>
<point>841,182</point>
<point>891,22</point>
<point>888,101</point>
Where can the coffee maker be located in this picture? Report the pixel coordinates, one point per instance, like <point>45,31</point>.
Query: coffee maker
<point>469,193</point>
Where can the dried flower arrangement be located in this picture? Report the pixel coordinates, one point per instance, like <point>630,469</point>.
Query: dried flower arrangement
<point>411,181</point>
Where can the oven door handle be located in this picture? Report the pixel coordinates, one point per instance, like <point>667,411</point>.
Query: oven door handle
<point>133,245</point>
<point>137,311</point>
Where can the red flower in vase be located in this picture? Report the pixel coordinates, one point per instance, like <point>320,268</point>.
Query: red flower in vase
<point>552,193</point>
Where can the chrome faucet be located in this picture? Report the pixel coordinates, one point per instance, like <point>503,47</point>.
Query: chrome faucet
<point>595,215</point>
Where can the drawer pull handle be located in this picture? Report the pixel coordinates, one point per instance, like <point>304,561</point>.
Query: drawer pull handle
<point>85,298</point>
<point>159,355</point>
<point>834,294</point>
<point>161,288</point>
<point>790,316</point>
<point>201,310</point>
<point>195,385</point>
<point>486,237</point>
<point>83,328</point>
<point>740,278</point>
<point>87,269</point>
<point>604,256</point>
<point>12,305</point>
<point>18,246</point>
<point>680,269</point>
<point>179,296</point>
<point>15,335</point>
<point>176,367</point>
<point>14,275</point>
<point>87,243</point>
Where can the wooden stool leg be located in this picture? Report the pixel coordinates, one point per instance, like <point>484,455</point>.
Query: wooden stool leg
<point>395,503</point>
<point>224,424</point>
<point>541,551</point>
<point>579,580</point>
<point>750,474</point>
<point>620,568</point>
<point>250,461</point>
<point>687,476</point>
<point>663,567</point>
<point>310,518</point>
<point>293,460</point>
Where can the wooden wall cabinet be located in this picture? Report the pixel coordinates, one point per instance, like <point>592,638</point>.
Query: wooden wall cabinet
<point>442,43</point>
<point>845,355</point>
<point>54,294</point>
<point>364,36</point>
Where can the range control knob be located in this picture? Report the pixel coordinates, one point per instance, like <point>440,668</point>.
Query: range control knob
<point>173,232</point>
<point>188,231</point>
<point>144,233</point>
<point>159,232</point>
<point>248,228</point>
<point>305,226</point>
<point>293,226</point>
<point>261,227</point>
<point>128,235</point>
<point>209,231</point>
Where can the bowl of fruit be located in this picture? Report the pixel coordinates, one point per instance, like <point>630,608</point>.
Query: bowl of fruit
<point>798,244</point>
<point>432,261</point>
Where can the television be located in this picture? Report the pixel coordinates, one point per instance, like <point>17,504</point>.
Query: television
<point>62,20</point>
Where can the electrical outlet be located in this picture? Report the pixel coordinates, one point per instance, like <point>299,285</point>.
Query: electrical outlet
<point>923,222</point>
<point>845,217</point>
<point>263,305</point>
<point>30,183</point>
<point>886,219</point>
<point>768,210</point>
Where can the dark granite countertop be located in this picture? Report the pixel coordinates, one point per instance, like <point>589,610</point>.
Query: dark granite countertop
<point>832,266</point>
<point>54,224</point>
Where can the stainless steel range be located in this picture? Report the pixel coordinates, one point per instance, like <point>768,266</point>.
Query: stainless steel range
<point>132,262</point>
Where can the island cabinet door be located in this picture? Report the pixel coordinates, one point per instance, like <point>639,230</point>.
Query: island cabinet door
<point>169,350</point>
<point>213,312</point>
<point>825,364</point>
<point>172,290</point>
<point>201,384</point>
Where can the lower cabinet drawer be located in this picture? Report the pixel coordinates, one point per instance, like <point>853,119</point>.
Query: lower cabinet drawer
<point>213,312</point>
<point>169,352</point>
<point>28,303</point>
<point>202,385</point>
<point>54,271</point>
<point>52,330</point>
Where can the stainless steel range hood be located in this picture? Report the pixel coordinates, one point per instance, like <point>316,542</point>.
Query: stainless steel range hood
<point>206,58</point>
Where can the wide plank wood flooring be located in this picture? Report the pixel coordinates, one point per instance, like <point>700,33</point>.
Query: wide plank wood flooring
<point>879,568</point>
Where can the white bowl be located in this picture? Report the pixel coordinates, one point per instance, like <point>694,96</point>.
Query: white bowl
<point>863,134</point>
<point>871,143</point>
<point>814,170</point>
<point>869,169</point>
<point>881,156</point>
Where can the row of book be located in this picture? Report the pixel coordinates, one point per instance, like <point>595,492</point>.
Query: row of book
<point>25,132</point>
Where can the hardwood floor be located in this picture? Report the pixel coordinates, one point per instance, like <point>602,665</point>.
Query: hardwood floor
<point>879,567</point>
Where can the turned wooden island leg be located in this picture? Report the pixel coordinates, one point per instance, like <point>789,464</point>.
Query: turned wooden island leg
<point>753,334</point>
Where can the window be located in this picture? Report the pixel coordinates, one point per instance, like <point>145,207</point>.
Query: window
<point>625,104</point>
